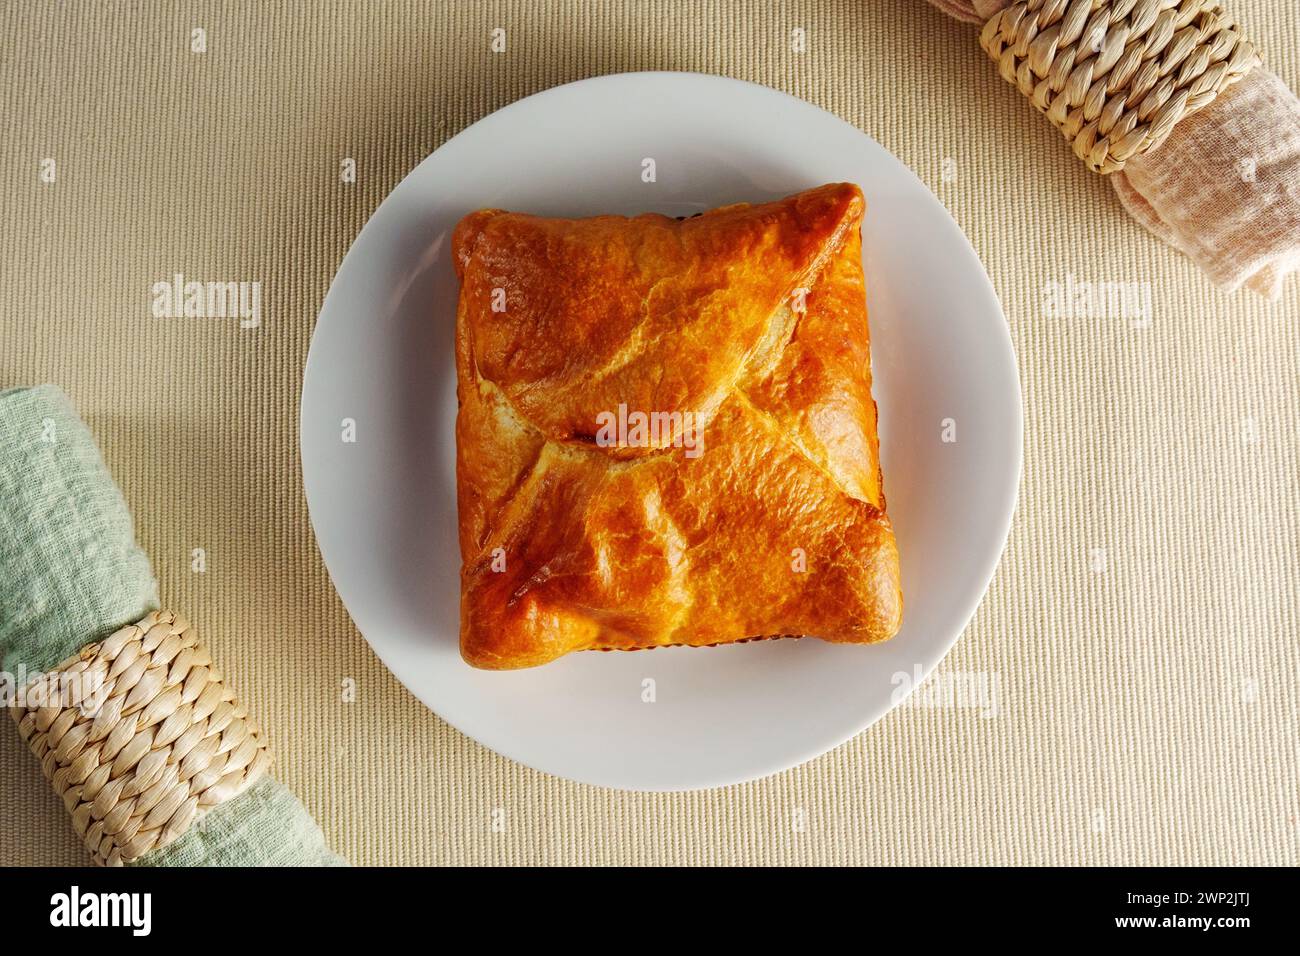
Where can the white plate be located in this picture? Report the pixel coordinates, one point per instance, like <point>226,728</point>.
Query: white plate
<point>384,507</point>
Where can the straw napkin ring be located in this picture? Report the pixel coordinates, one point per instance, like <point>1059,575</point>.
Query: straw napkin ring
<point>1115,76</point>
<point>140,736</point>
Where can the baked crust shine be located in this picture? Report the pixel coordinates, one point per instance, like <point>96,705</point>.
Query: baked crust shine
<point>775,525</point>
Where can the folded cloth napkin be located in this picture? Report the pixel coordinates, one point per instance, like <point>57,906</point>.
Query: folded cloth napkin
<point>71,573</point>
<point>1224,187</point>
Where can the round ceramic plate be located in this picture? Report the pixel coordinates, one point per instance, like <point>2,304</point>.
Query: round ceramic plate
<point>384,505</point>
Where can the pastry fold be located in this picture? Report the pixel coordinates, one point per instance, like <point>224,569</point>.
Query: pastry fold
<point>666,433</point>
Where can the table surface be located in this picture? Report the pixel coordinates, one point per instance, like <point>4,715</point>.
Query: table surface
<point>1140,637</point>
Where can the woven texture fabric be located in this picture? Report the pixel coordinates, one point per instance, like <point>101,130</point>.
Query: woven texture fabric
<point>70,571</point>
<point>70,574</point>
<point>264,826</point>
<point>1225,189</point>
<point>1141,630</point>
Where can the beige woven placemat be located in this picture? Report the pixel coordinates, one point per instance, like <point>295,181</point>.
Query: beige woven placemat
<point>1137,652</point>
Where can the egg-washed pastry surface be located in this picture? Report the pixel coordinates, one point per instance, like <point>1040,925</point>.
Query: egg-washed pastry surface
<point>666,433</point>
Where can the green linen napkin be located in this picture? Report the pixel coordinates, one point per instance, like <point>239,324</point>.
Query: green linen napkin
<point>71,573</point>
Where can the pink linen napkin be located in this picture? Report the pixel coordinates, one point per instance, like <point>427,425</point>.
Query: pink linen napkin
<point>1224,187</point>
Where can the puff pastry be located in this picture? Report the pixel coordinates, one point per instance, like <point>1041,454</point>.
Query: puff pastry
<point>579,530</point>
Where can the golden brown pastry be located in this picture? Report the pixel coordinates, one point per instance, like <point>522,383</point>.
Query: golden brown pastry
<point>666,433</point>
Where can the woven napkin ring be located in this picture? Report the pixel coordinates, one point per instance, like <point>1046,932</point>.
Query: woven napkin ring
<point>1115,76</point>
<point>140,736</point>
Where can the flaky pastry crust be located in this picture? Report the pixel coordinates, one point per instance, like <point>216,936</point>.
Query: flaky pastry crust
<point>752,319</point>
